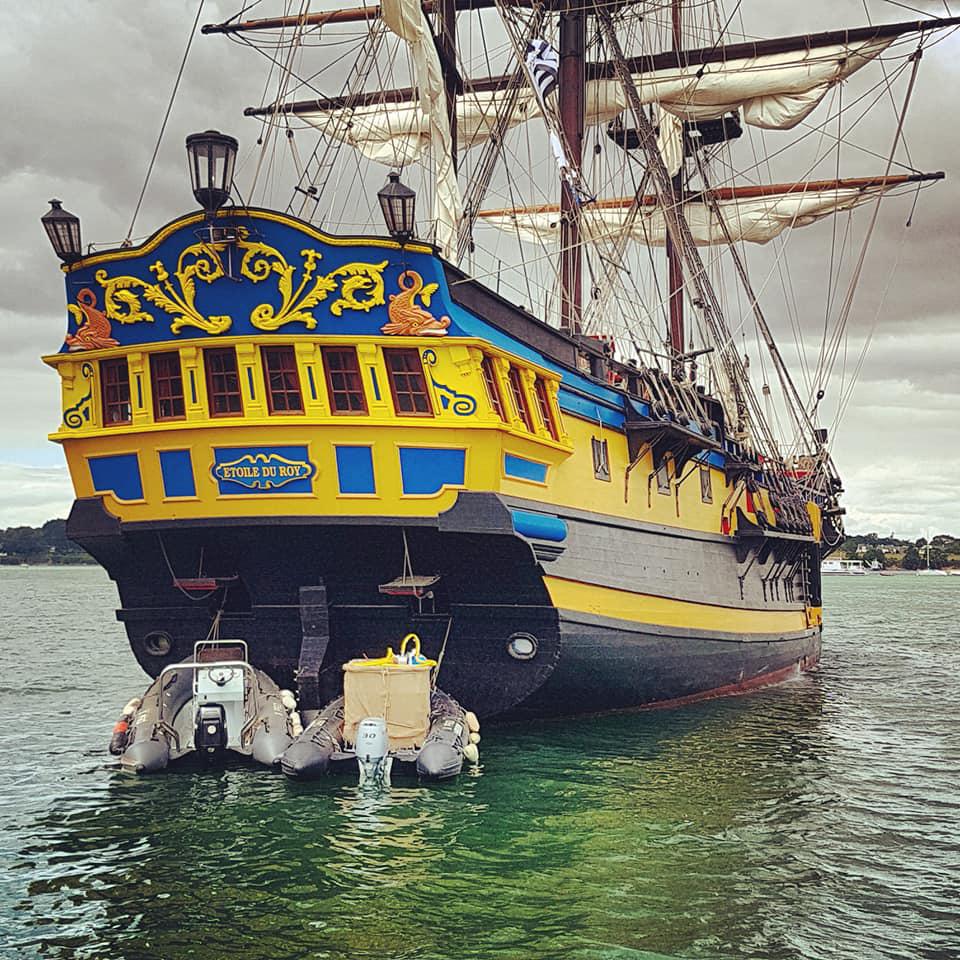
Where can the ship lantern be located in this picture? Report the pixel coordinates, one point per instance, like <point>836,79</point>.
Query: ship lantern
<point>212,156</point>
<point>398,203</point>
<point>63,229</point>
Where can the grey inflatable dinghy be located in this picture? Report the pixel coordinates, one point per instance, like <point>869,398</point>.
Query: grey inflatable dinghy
<point>214,703</point>
<point>321,749</point>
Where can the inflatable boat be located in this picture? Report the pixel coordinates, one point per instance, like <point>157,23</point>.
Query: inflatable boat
<point>390,717</point>
<point>210,705</point>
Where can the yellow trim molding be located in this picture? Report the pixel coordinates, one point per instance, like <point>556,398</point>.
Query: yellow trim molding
<point>664,612</point>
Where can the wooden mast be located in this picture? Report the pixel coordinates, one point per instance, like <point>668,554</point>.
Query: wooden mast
<point>573,42</point>
<point>675,332</point>
<point>447,49</point>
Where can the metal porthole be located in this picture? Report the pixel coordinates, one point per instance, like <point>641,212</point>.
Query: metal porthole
<point>157,644</point>
<point>522,646</point>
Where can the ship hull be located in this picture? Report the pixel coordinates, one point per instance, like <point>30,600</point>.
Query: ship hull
<point>494,584</point>
<point>616,666</point>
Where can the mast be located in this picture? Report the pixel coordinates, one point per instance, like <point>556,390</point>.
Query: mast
<point>674,264</point>
<point>573,42</point>
<point>447,49</point>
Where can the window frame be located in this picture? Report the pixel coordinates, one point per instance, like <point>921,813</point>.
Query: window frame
<point>520,400</point>
<point>155,381</point>
<point>601,458</point>
<point>208,354</point>
<point>389,352</point>
<point>488,371</point>
<point>288,351</point>
<point>547,416</point>
<point>115,363</point>
<point>325,352</point>
<point>706,484</point>
<point>662,473</point>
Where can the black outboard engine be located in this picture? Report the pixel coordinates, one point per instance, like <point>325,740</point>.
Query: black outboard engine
<point>210,735</point>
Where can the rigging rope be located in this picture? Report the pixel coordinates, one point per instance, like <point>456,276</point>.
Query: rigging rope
<point>848,300</point>
<point>163,126</point>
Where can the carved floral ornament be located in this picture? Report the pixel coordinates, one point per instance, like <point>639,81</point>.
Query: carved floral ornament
<point>360,288</point>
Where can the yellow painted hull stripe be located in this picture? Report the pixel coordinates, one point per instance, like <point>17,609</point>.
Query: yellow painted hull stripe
<point>664,612</point>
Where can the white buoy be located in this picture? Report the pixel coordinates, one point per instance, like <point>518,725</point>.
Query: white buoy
<point>471,753</point>
<point>288,700</point>
<point>132,706</point>
<point>474,737</point>
<point>470,719</point>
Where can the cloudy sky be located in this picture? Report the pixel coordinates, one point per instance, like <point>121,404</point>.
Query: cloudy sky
<point>87,83</point>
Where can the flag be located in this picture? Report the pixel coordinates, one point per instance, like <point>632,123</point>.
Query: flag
<point>543,65</point>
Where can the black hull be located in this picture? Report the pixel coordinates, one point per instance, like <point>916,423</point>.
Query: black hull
<point>491,587</point>
<point>612,665</point>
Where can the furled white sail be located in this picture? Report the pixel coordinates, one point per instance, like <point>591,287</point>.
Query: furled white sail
<point>407,20</point>
<point>774,91</point>
<point>754,219</point>
<point>399,133</point>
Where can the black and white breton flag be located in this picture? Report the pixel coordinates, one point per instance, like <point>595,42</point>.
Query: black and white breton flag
<point>543,64</point>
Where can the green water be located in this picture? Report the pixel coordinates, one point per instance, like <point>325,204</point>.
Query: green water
<point>820,819</point>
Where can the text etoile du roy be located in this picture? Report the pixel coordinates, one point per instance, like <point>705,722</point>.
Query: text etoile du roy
<point>264,472</point>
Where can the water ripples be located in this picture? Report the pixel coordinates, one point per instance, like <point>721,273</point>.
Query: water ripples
<point>820,819</point>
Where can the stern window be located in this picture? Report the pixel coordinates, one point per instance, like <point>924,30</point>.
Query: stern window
<point>115,392</point>
<point>407,383</point>
<point>493,388</point>
<point>223,382</point>
<point>343,380</point>
<point>167,383</point>
<point>519,399</point>
<point>546,412</point>
<point>283,381</point>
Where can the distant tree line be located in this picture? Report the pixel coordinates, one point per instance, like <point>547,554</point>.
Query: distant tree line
<point>49,544</point>
<point>46,544</point>
<point>943,550</point>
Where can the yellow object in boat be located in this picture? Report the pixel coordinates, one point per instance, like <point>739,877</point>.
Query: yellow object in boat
<point>390,659</point>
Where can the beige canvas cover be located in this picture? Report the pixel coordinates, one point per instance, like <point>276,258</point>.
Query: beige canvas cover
<point>399,693</point>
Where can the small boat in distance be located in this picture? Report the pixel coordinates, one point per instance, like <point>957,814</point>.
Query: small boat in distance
<point>847,568</point>
<point>930,571</point>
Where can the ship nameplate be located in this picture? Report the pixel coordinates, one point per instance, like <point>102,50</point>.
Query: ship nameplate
<point>263,470</point>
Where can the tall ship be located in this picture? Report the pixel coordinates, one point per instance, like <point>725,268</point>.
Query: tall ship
<point>486,377</point>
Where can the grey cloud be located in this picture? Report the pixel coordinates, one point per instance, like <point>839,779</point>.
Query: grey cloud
<point>87,84</point>
<point>29,496</point>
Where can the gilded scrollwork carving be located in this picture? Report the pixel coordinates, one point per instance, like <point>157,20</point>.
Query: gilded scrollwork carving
<point>199,261</point>
<point>360,286</point>
<point>296,306</point>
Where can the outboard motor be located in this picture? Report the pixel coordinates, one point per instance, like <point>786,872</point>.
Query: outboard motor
<point>210,735</point>
<point>219,695</point>
<point>372,750</point>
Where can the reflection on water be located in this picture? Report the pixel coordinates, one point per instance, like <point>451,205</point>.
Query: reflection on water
<point>818,819</point>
